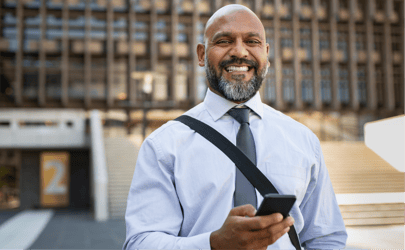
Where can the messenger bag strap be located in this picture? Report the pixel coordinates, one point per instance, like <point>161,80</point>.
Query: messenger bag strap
<point>251,172</point>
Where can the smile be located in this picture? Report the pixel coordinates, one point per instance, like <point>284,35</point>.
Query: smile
<point>237,69</point>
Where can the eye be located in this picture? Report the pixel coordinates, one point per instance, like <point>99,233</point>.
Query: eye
<point>223,42</point>
<point>253,42</point>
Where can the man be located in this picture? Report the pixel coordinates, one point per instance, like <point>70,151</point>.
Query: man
<point>182,193</point>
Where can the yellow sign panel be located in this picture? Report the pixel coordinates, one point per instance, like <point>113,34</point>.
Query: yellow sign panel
<point>55,179</point>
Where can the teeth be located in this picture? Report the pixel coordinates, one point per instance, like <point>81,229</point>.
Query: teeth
<point>233,68</point>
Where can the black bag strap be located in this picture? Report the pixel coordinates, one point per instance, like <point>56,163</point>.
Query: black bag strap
<point>251,172</point>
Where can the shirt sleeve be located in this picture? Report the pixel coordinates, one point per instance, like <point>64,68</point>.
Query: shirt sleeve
<point>154,214</point>
<point>323,223</point>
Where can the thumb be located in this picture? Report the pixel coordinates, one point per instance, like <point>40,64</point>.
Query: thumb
<point>244,210</point>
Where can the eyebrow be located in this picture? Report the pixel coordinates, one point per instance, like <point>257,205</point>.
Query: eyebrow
<point>250,34</point>
<point>221,34</point>
<point>228,34</point>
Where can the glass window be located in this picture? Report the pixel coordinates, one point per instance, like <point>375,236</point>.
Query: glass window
<point>326,93</point>
<point>288,83</point>
<point>343,84</point>
<point>306,83</point>
<point>362,86</point>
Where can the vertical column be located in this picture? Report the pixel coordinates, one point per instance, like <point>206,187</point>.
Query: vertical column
<point>389,101</point>
<point>297,59</point>
<point>217,4</point>
<point>1,35</point>
<point>258,4</point>
<point>87,56</point>
<point>65,55</point>
<point>152,39</point>
<point>42,73</point>
<point>194,70</point>
<point>110,54</point>
<point>334,63</point>
<point>175,58</point>
<point>354,97</point>
<point>401,17</point>
<point>131,86</point>
<point>1,18</point>
<point>315,56</point>
<point>371,84</point>
<point>19,54</point>
<point>277,56</point>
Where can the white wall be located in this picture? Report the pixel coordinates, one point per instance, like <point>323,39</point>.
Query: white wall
<point>387,139</point>
<point>57,134</point>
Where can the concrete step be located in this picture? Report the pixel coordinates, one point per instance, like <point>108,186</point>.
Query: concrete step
<point>354,168</point>
<point>375,221</point>
<point>121,155</point>
<point>372,207</point>
<point>373,214</point>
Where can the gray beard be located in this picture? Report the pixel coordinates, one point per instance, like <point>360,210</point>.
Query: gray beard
<point>237,91</point>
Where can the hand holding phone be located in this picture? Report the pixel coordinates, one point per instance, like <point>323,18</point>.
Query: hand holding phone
<point>276,203</point>
<point>242,229</point>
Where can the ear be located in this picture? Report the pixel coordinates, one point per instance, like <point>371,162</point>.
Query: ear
<point>267,49</point>
<point>201,55</point>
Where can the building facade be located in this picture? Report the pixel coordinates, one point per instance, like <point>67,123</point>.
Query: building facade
<point>326,55</point>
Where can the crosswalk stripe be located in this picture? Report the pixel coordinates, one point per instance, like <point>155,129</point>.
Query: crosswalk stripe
<point>21,231</point>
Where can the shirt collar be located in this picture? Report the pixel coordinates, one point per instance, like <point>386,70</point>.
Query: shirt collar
<point>217,106</point>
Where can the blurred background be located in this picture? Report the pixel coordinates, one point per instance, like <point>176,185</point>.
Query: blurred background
<point>83,82</point>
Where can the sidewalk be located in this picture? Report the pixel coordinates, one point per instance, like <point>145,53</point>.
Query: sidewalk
<point>70,229</point>
<point>76,229</point>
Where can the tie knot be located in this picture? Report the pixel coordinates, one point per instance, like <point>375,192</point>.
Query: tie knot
<point>240,114</point>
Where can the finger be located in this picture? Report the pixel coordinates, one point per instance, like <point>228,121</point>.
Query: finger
<point>275,229</point>
<point>266,237</point>
<point>287,222</point>
<point>245,210</point>
<point>275,236</point>
<point>260,222</point>
<point>263,238</point>
<point>282,227</point>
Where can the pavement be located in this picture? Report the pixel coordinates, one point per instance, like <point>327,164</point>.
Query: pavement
<point>76,229</point>
<point>70,229</point>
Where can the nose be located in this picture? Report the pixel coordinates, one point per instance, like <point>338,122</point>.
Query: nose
<point>239,50</point>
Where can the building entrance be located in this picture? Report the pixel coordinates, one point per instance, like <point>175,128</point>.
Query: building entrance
<point>32,179</point>
<point>10,165</point>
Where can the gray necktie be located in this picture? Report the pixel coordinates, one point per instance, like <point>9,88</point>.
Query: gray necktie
<point>244,191</point>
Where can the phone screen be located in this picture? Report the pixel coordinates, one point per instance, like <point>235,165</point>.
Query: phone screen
<point>276,203</point>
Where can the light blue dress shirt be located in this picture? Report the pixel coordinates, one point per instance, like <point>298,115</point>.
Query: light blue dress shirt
<point>182,188</point>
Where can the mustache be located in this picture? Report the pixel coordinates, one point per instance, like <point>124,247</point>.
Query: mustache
<point>235,60</point>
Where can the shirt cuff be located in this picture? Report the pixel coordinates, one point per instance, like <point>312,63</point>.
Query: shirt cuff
<point>201,241</point>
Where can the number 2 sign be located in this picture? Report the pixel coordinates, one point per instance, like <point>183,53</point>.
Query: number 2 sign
<point>55,179</point>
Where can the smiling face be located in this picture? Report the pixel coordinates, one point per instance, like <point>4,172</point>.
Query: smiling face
<point>235,53</point>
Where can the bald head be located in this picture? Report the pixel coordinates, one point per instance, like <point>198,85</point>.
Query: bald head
<point>228,11</point>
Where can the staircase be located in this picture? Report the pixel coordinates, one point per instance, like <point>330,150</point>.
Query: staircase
<point>356,171</point>
<point>373,214</point>
<point>121,153</point>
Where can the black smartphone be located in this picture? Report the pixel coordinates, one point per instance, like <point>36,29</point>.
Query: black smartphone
<point>276,203</point>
